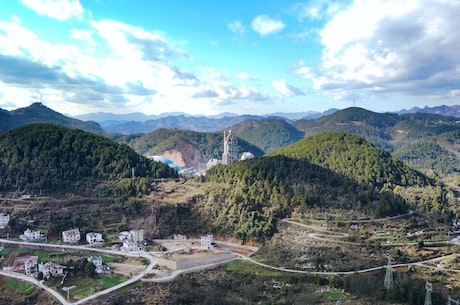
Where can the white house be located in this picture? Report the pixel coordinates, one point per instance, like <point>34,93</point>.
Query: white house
<point>71,236</point>
<point>137,235</point>
<point>94,237</point>
<point>50,269</point>
<point>132,240</point>
<point>4,220</point>
<point>97,261</point>
<point>132,246</point>
<point>207,241</point>
<point>31,235</point>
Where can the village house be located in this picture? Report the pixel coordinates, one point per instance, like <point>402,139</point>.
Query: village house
<point>31,235</point>
<point>71,236</point>
<point>94,238</point>
<point>133,241</point>
<point>50,269</point>
<point>97,261</point>
<point>207,241</point>
<point>24,264</point>
<point>4,220</point>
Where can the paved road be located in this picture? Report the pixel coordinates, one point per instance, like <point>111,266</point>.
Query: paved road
<point>29,279</point>
<point>174,274</point>
<point>151,259</point>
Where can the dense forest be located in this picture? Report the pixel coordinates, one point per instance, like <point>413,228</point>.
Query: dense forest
<point>268,134</point>
<point>39,113</point>
<point>160,140</point>
<point>354,157</point>
<point>437,155</point>
<point>48,157</point>
<point>248,198</point>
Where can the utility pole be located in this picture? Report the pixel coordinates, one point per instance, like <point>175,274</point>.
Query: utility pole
<point>388,282</point>
<point>429,290</point>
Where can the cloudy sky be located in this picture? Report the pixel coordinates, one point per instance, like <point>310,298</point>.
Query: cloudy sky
<point>246,57</point>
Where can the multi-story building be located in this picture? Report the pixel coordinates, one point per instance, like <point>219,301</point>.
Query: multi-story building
<point>4,220</point>
<point>71,236</point>
<point>94,237</point>
<point>133,240</point>
<point>50,269</point>
<point>207,241</point>
<point>97,261</point>
<point>31,235</point>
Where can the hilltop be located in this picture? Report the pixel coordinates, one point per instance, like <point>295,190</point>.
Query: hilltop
<point>39,113</point>
<point>50,158</point>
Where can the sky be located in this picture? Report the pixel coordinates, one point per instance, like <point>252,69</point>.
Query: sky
<point>244,57</point>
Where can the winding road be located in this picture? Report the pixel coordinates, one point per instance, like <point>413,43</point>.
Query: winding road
<point>152,262</point>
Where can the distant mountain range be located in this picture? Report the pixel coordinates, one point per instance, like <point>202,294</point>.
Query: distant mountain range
<point>39,113</point>
<point>141,123</point>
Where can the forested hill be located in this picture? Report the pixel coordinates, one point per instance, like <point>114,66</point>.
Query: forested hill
<point>268,134</point>
<point>50,157</point>
<point>156,142</point>
<point>39,113</point>
<point>354,157</point>
<point>248,198</point>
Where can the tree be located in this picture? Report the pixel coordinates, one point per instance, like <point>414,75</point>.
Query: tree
<point>90,269</point>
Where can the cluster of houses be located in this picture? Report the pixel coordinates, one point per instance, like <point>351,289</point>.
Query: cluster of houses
<point>132,241</point>
<point>30,266</point>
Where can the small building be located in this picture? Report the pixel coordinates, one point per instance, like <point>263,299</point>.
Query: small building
<point>4,220</point>
<point>207,241</point>
<point>97,261</point>
<point>71,236</point>
<point>32,235</point>
<point>50,269</point>
<point>94,237</point>
<point>24,264</point>
<point>132,246</point>
<point>133,240</point>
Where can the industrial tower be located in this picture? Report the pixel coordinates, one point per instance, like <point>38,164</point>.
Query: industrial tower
<point>230,148</point>
<point>429,290</point>
<point>388,282</point>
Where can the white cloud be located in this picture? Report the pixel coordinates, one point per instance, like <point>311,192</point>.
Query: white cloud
<point>245,76</point>
<point>315,9</point>
<point>56,9</point>
<point>264,25</point>
<point>285,89</point>
<point>83,35</point>
<point>380,46</point>
<point>237,27</point>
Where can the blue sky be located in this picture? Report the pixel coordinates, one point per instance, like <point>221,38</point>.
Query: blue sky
<point>245,57</point>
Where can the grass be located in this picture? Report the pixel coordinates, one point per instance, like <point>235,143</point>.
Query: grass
<point>242,265</point>
<point>25,251</point>
<point>19,287</point>
<point>6,251</point>
<point>334,295</point>
<point>108,281</point>
<point>111,259</point>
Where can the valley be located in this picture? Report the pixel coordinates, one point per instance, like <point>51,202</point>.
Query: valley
<point>351,208</point>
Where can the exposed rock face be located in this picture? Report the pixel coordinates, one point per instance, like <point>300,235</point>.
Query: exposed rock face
<point>186,155</point>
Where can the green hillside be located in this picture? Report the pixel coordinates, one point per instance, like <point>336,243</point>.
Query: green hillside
<point>354,157</point>
<point>160,140</point>
<point>435,154</point>
<point>49,157</point>
<point>375,127</point>
<point>39,113</point>
<point>268,134</point>
<point>248,198</point>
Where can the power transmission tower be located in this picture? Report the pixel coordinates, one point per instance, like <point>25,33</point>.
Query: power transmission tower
<point>429,290</point>
<point>451,301</point>
<point>388,282</point>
